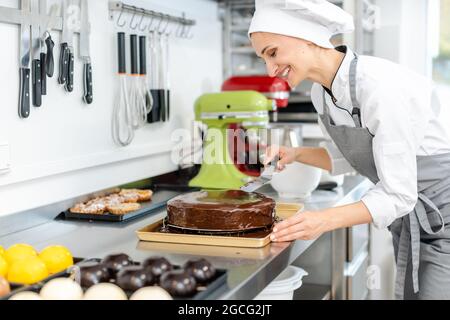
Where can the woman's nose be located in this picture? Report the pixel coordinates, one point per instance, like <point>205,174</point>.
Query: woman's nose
<point>271,69</point>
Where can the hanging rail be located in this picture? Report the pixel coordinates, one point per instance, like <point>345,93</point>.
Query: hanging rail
<point>123,7</point>
<point>17,16</point>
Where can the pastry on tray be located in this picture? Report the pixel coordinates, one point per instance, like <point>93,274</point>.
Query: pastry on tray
<point>142,195</point>
<point>123,208</point>
<point>88,209</point>
<point>121,202</point>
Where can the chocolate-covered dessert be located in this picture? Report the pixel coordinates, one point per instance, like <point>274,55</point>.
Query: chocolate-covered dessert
<point>202,270</point>
<point>93,273</point>
<point>134,278</point>
<point>231,210</point>
<point>157,266</point>
<point>178,283</point>
<point>116,262</point>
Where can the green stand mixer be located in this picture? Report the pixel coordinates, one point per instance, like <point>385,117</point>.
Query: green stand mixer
<point>220,111</point>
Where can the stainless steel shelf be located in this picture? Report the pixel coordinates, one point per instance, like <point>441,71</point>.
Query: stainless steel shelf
<point>313,292</point>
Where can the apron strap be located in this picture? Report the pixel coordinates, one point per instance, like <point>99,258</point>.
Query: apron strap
<point>418,219</point>
<point>326,110</point>
<point>402,260</point>
<point>356,112</point>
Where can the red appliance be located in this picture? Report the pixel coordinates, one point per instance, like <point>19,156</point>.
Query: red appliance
<point>273,88</point>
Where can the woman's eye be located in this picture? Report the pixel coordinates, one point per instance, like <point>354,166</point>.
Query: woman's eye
<point>273,54</point>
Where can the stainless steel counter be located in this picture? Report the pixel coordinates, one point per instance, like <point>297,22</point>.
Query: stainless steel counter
<point>249,270</point>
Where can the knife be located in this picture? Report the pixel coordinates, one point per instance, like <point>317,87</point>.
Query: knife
<point>47,60</point>
<point>64,52</point>
<point>24,86</point>
<point>70,50</point>
<point>85,55</point>
<point>36,51</point>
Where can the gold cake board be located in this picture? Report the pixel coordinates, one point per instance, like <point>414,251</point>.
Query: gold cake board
<point>152,233</point>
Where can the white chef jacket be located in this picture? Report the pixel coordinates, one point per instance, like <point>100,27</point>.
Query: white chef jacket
<point>401,110</point>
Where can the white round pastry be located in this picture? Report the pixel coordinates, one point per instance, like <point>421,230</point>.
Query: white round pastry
<point>151,293</point>
<point>26,295</point>
<point>61,289</point>
<point>105,291</point>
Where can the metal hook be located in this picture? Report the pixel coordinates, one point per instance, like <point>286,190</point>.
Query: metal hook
<point>140,23</point>
<point>152,14</point>
<point>188,34</point>
<point>121,25</point>
<point>160,23</point>
<point>167,24</point>
<point>132,20</point>
<point>168,30</point>
<point>179,30</point>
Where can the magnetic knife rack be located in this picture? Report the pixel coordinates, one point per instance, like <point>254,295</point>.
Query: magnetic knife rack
<point>126,8</point>
<point>17,16</point>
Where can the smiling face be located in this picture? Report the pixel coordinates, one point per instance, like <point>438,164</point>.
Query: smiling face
<point>286,57</point>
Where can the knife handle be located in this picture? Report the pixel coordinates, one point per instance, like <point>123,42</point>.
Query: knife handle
<point>37,88</point>
<point>43,74</point>
<point>50,63</point>
<point>70,70</point>
<point>88,93</point>
<point>63,63</point>
<point>24,93</point>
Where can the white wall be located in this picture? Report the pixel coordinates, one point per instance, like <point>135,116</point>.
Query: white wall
<point>402,36</point>
<point>65,148</point>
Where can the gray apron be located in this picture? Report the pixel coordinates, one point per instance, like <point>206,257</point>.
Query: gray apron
<point>422,238</point>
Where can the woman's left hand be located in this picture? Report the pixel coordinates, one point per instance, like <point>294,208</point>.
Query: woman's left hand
<point>306,225</point>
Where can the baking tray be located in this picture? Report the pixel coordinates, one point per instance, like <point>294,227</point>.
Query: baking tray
<point>159,200</point>
<point>252,239</point>
<point>202,292</point>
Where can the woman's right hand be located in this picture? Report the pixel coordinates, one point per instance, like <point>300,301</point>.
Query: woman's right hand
<point>286,156</point>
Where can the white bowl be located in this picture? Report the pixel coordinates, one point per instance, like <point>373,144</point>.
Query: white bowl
<point>297,180</point>
<point>327,177</point>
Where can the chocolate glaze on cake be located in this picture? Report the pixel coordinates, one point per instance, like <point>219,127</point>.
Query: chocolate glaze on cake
<point>221,210</point>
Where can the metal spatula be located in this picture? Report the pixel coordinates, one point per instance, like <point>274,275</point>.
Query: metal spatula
<point>263,179</point>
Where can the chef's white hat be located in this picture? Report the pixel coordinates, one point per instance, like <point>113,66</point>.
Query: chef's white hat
<point>313,20</point>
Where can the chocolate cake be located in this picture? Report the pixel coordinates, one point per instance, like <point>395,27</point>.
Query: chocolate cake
<point>232,210</point>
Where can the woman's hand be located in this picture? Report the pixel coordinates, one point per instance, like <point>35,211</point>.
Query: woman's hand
<point>285,154</point>
<point>306,225</point>
<point>310,225</point>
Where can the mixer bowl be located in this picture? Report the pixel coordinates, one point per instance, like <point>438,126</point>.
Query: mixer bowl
<point>297,181</point>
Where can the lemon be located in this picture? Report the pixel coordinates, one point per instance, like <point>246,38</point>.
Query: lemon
<point>27,271</point>
<point>18,252</point>
<point>2,251</point>
<point>3,267</point>
<point>56,258</point>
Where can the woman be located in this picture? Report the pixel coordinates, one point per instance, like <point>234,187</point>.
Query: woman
<point>384,123</point>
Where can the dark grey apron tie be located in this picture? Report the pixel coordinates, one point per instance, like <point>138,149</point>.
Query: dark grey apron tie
<point>355,145</point>
<point>356,112</point>
<point>417,219</point>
